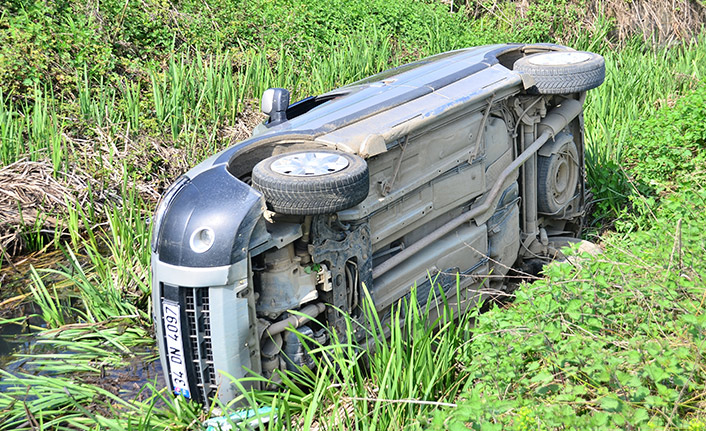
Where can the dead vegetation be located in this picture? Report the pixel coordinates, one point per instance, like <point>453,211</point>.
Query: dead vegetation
<point>34,197</point>
<point>658,23</point>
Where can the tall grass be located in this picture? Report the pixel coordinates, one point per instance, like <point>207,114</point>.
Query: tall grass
<point>67,382</point>
<point>10,132</point>
<point>409,372</point>
<point>195,93</point>
<point>412,373</point>
<point>202,89</point>
<point>638,81</point>
<point>31,130</point>
<point>95,309</point>
<point>97,102</point>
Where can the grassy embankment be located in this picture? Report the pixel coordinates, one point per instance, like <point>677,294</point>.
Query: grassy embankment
<point>113,103</point>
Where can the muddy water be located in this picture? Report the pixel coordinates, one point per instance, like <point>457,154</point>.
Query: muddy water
<point>17,339</point>
<point>13,339</point>
<point>128,381</point>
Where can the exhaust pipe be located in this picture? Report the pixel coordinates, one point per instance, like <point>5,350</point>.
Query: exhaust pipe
<point>549,127</point>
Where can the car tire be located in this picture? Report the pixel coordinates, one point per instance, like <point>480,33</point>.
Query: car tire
<point>557,178</point>
<point>312,182</point>
<point>563,72</point>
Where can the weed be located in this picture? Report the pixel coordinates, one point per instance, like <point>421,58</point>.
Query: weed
<point>412,373</point>
<point>618,114</point>
<point>611,342</point>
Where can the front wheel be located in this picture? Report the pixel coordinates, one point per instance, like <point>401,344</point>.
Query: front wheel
<point>312,182</point>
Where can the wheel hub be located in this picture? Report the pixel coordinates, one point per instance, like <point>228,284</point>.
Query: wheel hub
<point>309,164</point>
<point>559,58</point>
<point>564,179</point>
<point>562,176</point>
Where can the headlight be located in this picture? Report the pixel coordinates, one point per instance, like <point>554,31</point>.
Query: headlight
<point>163,205</point>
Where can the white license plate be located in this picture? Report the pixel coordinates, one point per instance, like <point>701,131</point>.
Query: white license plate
<point>175,348</point>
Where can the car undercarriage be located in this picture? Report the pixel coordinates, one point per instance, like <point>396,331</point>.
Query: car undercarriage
<point>445,174</point>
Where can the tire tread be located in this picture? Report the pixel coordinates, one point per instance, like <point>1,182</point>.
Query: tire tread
<point>564,79</point>
<point>314,195</point>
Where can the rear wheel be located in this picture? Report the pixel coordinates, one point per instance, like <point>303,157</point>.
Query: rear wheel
<point>563,72</point>
<point>312,182</point>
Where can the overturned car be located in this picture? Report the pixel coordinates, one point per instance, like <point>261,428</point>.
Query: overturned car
<point>460,166</point>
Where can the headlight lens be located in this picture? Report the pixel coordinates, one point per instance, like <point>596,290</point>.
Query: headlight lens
<point>163,205</point>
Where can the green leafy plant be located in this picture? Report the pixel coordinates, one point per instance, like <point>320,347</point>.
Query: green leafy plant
<point>613,342</point>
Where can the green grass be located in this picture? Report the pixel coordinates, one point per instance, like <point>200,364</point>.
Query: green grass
<point>638,81</point>
<point>412,372</point>
<point>31,131</point>
<point>67,388</point>
<point>564,351</point>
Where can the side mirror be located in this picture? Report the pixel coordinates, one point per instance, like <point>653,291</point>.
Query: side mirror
<point>274,103</point>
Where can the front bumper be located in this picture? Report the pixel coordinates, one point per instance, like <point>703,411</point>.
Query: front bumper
<point>208,292</point>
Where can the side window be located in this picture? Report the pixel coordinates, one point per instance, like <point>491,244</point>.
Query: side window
<point>305,105</point>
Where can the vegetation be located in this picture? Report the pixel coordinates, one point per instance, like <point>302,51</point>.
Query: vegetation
<point>102,104</point>
<point>615,342</point>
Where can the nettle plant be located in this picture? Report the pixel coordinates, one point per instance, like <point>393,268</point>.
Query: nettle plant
<point>608,342</point>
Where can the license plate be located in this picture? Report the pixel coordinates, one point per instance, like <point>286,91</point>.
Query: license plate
<point>175,348</point>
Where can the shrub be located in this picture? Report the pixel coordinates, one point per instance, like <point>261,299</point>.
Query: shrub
<point>669,149</point>
<point>46,43</point>
<point>615,342</point>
